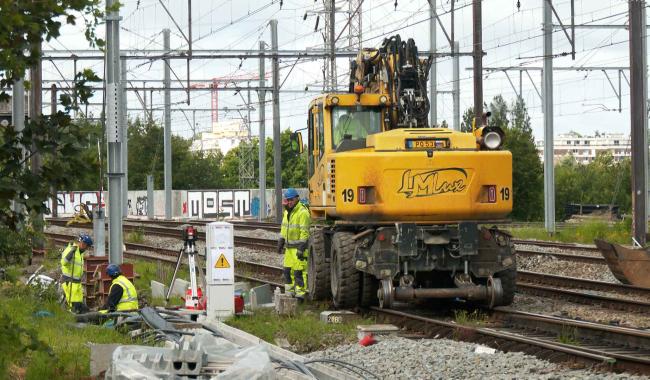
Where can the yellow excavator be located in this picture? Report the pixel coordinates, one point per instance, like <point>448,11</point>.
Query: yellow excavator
<point>402,210</point>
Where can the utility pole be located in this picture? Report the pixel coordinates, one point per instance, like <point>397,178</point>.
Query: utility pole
<point>114,136</point>
<point>478,62</point>
<point>277,157</point>
<point>433,74</point>
<point>18,120</point>
<point>330,44</point>
<point>456,87</point>
<point>168,131</point>
<point>638,117</point>
<point>123,120</point>
<point>547,91</point>
<point>261,94</point>
<point>35,110</point>
<point>55,211</point>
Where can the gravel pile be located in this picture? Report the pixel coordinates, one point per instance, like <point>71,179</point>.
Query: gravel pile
<point>400,358</point>
<point>552,265</point>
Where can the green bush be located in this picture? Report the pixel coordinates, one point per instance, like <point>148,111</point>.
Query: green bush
<point>14,246</point>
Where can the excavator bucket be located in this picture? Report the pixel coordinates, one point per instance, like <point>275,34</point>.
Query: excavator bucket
<point>629,265</point>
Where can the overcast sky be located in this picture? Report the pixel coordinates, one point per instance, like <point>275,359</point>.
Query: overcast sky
<point>584,101</point>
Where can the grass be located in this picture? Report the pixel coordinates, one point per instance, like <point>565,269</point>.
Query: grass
<point>158,271</point>
<point>585,233</point>
<point>305,332</point>
<point>568,335</point>
<point>473,318</point>
<point>136,237</point>
<point>42,341</point>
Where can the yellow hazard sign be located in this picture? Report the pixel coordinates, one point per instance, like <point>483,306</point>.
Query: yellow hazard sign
<point>222,262</point>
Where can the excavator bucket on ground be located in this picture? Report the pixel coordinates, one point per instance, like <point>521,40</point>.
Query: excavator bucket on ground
<point>629,265</point>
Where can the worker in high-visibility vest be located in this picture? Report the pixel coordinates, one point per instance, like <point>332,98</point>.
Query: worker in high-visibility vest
<point>294,238</point>
<point>122,295</point>
<point>72,267</point>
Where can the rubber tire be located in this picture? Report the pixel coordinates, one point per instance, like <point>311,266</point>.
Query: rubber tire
<point>318,270</point>
<point>508,279</point>
<point>344,275</point>
<point>368,287</point>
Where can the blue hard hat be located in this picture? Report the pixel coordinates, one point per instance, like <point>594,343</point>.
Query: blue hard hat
<point>86,239</point>
<point>290,193</point>
<point>113,270</point>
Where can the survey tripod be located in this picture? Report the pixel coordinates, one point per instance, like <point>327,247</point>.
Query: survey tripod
<point>189,248</point>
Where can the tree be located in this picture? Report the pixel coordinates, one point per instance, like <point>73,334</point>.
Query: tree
<point>190,170</point>
<point>294,166</point>
<point>527,171</point>
<point>527,180</point>
<point>57,138</point>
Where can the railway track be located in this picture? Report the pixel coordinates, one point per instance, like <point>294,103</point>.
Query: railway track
<point>551,338</point>
<point>248,270</point>
<point>529,283</point>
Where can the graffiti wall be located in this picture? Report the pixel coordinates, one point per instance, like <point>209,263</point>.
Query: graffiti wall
<point>218,203</point>
<point>68,202</point>
<point>208,204</point>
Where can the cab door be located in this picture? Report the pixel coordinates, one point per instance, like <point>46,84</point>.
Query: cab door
<point>315,153</point>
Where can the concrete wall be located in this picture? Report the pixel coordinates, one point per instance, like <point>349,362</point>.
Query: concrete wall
<point>230,203</point>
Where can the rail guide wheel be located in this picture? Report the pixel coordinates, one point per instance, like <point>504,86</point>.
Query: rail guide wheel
<point>386,294</point>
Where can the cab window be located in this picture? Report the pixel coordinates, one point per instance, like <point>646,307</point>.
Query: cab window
<point>318,121</point>
<point>354,123</point>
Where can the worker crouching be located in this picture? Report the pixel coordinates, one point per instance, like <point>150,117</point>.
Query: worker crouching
<point>122,295</point>
<point>72,266</point>
<point>294,237</point>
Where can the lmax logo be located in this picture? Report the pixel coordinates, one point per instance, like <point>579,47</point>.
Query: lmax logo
<point>420,183</point>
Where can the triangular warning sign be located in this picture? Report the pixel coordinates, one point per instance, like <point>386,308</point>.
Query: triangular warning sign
<point>222,262</point>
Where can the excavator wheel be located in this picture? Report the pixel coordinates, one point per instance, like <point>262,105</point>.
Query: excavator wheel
<point>318,274</point>
<point>368,290</point>
<point>344,275</point>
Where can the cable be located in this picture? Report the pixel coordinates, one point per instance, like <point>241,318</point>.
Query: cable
<point>347,365</point>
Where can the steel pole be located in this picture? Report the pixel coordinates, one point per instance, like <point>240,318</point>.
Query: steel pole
<point>638,116</point>
<point>277,157</point>
<point>35,111</point>
<point>150,200</point>
<point>114,136</point>
<point>54,211</point>
<point>123,120</point>
<point>456,88</point>
<point>547,73</point>
<point>478,61</point>
<point>433,74</point>
<point>18,120</point>
<point>168,132</point>
<point>262,133</point>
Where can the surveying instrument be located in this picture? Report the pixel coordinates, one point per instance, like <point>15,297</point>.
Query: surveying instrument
<point>189,248</point>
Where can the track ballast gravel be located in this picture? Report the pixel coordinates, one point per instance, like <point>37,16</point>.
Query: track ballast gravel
<point>401,358</point>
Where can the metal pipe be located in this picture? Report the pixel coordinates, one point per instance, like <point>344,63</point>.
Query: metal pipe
<point>277,147</point>
<point>547,72</point>
<point>478,292</point>
<point>456,88</point>
<point>168,133</point>
<point>262,136</point>
<point>638,116</point>
<point>433,75</point>
<point>114,137</point>
<point>125,138</point>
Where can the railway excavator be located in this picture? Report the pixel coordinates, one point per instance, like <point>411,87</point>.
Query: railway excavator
<point>402,210</point>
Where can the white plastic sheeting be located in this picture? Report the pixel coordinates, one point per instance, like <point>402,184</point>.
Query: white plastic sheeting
<point>198,356</point>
